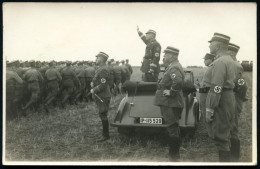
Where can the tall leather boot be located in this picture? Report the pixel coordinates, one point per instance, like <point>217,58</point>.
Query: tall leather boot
<point>174,149</point>
<point>105,135</point>
<point>235,149</point>
<point>224,156</point>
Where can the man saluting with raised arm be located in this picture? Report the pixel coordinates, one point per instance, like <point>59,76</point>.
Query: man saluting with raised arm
<point>150,65</point>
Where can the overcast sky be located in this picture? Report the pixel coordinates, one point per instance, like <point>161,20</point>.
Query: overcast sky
<point>78,31</point>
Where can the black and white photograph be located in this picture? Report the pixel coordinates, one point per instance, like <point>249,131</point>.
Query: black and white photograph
<point>115,84</point>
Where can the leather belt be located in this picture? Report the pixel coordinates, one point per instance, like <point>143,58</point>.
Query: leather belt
<point>204,90</point>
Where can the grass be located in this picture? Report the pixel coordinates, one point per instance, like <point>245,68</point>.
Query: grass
<point>69,135</point>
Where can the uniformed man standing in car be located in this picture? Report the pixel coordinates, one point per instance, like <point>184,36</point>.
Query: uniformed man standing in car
<point>169,98</point>
<point>220,102</point>
<point>150,65</point>
<point>204,88</point>
<point>102,93</point>
<point>240,97</point>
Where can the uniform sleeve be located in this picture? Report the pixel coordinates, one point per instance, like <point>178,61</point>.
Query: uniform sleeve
<point>40,76</point>
<point>58,75</point>
<point>25,76</point>
<point>156,53</point>
<point>75,77</point>
<point>217,81</point>
<point>17,78</point>
<point>143,37</point>
<point>104,79</point>
<point>177,80</point>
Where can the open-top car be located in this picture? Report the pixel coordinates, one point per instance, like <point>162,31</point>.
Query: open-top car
<point>136,109</point>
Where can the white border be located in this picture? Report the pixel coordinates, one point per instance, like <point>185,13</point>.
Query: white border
<point>121,163</point>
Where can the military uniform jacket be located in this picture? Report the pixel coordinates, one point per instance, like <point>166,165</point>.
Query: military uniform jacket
<point>111,74</point>
<point>125,74</point>
<point>53,74</point>
<point>68,73</point>
<point>240,82</point>
<point>207,77</point>
<point>152,53</point>
<point>32,75</point>
<point>222,77</point>
<point>19,71</point>
<point>117,74</point>
<point>129,67</point>
<point>90,71</point>
<point>81,72</point>
<point>101,82</point>
<point>172,80</point>
<point>12,78</point>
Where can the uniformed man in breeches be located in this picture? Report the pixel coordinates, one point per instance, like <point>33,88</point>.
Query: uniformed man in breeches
<point>69,79</point>
<point>150,65</point>
<point>117,77</point>
<point>204,88</point>
<point>220,102</point>
<point>82,75</point>
<point>169,97</point>
<point>33,79</point>
<point>12,78</point>
<point>19,88</point>
<point>102,93</point>
<point>125,73</point>
<point>53,78</point>
<point>240,97</point>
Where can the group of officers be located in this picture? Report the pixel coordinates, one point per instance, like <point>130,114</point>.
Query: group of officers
<point>222,90</point>
<point>31,85</point>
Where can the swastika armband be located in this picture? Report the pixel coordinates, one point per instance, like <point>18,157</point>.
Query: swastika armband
<point>216,89</point>
<point>240,82</point>
<point>157,54</point>
<point>103,80</point>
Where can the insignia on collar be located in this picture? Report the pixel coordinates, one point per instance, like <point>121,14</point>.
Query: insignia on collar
<point>217,89</point>
<point>241,82</point>
<point>103,80</point>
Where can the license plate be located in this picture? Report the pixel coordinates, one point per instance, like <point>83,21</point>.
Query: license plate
<point>151,120</point>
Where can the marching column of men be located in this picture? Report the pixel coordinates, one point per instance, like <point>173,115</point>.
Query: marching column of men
<point>32,84</point>
<point>222,90</point>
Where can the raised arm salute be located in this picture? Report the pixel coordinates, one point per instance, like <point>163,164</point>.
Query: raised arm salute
<point>150,65</point>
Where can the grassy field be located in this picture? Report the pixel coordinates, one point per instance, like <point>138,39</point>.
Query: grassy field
<point>69,135</point>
